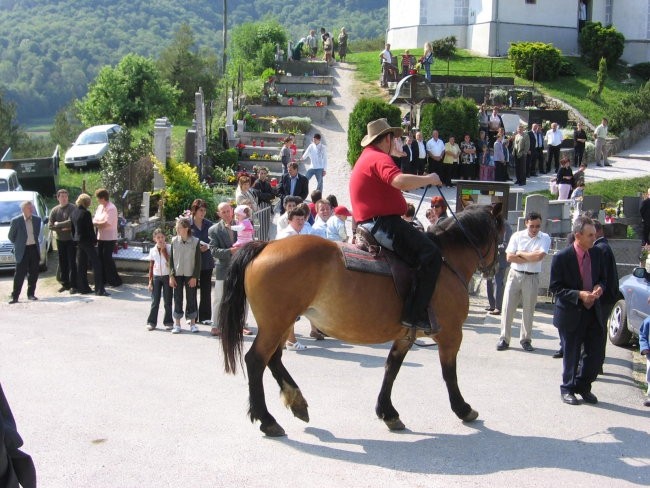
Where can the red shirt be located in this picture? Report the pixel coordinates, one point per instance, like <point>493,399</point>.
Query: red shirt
<point>371,192</point>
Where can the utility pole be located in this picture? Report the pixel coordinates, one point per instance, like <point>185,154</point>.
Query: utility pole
<point>225,35</point>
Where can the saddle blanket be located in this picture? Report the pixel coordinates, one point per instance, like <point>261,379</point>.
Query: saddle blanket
<point>357,260</point>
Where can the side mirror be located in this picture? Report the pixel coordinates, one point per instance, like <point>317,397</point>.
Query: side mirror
<point>639,272</point>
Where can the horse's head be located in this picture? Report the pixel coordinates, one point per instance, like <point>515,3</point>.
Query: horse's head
<point>479,227</point>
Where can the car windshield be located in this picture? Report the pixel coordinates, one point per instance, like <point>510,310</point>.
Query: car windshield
<point>92,138</point>
<point>8,210</point>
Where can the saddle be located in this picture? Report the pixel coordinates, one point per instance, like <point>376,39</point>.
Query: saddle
<point>368,256</point>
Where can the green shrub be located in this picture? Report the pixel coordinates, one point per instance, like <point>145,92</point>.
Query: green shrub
<point>567,68</point>
<point>601,76</point>
<point>226,159</point>
<point>642,70</point>
<point>127,165</point>
<point>535,60</point>
<point>597,42</point>
<point>366,45</point>
<point>294,125</point>
<point>451,117</point>
<point>182,186</point>
<point>366,110</point>
<point>444,48</point>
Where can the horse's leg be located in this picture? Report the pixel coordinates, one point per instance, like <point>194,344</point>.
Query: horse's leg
<point>255,365</point>
<point>289,390</point>
<point>384,408</point>
<point>448,351</point>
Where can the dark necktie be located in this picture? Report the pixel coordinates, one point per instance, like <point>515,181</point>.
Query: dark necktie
<point>585,272</point>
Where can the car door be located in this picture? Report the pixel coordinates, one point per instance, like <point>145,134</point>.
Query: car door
<point>638,292</point>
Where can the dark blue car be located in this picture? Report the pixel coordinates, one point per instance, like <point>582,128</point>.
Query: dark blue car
<point>631,308</point>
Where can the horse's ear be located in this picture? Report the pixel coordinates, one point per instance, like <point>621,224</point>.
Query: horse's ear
<point>496,209</point>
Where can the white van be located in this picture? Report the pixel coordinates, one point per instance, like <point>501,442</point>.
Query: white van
<point>9,180</point>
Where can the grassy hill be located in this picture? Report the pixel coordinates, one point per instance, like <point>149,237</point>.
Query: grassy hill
<point>50,50</point>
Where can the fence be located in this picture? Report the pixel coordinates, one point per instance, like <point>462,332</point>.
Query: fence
<point>262,221</point>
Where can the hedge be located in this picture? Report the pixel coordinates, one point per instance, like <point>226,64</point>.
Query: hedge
<point>597,42</point>
<point>366,110</point>
<point>451,117</point>
<point>535,60</point>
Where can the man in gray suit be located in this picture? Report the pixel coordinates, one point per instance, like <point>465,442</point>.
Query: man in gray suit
<point>222,237</point>
<point>23,233</point>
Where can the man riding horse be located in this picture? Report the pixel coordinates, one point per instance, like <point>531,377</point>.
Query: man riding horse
<point>376,186</point>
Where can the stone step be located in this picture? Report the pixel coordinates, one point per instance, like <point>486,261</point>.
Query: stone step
<point>297,68</point>
<point>271,150</point>
<point>316,114</point>
<point>309,80</point>
<point>271,138</point>
<point>302,87</point>
<point>275,167</point>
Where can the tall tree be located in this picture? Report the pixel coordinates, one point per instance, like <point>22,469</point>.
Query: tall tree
<point>187,68</point>
<point>129,94</point>
<point>11,135</point>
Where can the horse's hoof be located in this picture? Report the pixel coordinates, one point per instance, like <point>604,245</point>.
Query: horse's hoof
<point>273,430</point>
<point>301,413</point>
<point>471,416</point>
<point>395,424</point>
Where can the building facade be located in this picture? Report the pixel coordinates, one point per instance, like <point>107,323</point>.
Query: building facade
<point>489,26</point>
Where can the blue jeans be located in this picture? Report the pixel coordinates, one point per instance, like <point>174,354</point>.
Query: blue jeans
<point>318,172</point>
<point>161,287</point>
<point>427,71</point>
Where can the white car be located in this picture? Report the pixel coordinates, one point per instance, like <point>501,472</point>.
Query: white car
<point>9,180</point>
<point>9,208</point>
<point>90,146</point>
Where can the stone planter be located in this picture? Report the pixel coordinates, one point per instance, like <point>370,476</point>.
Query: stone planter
<point>314,113</point>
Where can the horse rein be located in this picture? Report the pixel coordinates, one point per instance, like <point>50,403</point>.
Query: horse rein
<point>481,258</point>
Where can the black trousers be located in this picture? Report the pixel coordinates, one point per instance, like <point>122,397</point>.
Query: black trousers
<point>105,252</point>
<point>520,169</point>
<point>27,267</point>
<point>86,253</point>
<point>419,252</point>
<point>553,154</point>
<point>420,165</point>
<point>205,295</point>
<point>583,353</point>
<point>578,155</point>
<point>536,161</point>
<point>67,274</point>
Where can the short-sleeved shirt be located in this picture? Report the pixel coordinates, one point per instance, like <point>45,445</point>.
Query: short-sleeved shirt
<point>160,264</point>
<point>371,192</point>
<point>435,147</point>
<point>521,241</point>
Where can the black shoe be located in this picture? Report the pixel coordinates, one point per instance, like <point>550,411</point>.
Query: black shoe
<point>502,345</point>
<point>534,174</point>
<point>63,288</point>
<point>32,298</point>
<point>526,346</point>
<point>85,292</point>
<point>496,311</point>
<point>73,291</point>
<point>647,403</point>
<point>570,399</point>
<point>489,309</point>
<point>12,301</point>
<point>420,324</point>
<point>589,397</point>
<point>559,354</point>
<point>102,293</point>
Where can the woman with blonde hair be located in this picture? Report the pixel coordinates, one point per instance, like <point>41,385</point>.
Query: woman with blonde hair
<point>427,60</point>
<point>83,233</point>
<point>343,44</point>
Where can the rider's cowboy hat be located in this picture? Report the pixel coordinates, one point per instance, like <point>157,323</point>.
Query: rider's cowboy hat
<point>378,128</point>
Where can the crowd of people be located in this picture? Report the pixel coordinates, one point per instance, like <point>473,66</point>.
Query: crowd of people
<point>81,239</point>
<point>325,40</point>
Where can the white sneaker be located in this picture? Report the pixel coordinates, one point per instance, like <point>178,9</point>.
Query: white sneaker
<point>295,346</point>
<point>176,329</point>
<point>151,326</point>
<point>194,328</point>
<point>188,322</point>
<point>169,327</point>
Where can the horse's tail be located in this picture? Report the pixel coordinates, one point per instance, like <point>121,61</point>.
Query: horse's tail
<point>233,305</point>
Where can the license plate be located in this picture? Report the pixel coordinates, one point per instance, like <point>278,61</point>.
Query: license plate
<point>79,164</point>
<point>7,259</point>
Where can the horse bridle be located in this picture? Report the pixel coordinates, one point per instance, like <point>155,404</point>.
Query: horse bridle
<point>482,267</point>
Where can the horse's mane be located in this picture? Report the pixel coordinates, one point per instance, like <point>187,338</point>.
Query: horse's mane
<point>477,223</point>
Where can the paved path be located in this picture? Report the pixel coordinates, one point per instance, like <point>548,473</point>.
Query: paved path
<point>102,402</point>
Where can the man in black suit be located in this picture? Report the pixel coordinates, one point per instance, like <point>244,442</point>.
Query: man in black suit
<point>408,163</point>
<point>419,150</point>
<point>292,183</point>
<point>23,233</point>
<point>610,296</point>
<point>536,150</point>
<point>578,281</point>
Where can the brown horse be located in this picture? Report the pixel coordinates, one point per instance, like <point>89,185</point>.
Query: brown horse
<point>352,306</point>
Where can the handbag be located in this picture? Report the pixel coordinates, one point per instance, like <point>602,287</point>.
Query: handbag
<point>553,187</point>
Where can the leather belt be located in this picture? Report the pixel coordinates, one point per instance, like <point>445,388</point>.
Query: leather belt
<point>524,272</point>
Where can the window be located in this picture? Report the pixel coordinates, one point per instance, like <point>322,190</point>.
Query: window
<point>531,2</point>
<point>608,12</point>
<point>461,12</point>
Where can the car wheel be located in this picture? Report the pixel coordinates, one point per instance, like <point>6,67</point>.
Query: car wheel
<point>619,334</point>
